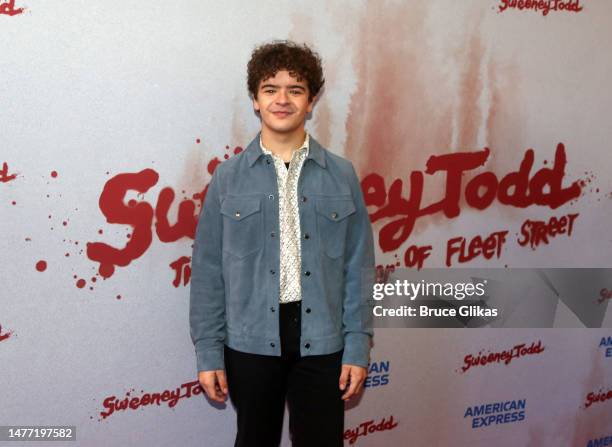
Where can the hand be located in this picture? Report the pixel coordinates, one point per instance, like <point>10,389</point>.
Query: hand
<point>214,384</point>
<point>355,375</point>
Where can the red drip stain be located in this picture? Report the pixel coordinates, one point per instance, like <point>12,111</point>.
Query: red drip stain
<point>80,283</point>
<point>41,266</point>
<point>54,174</point>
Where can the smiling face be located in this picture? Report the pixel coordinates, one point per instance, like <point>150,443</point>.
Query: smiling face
<point>282,102</point>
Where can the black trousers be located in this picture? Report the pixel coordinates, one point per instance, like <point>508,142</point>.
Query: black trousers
<point>259,384</point>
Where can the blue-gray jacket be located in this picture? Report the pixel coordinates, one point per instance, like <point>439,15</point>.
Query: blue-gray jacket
<point>235,292</point>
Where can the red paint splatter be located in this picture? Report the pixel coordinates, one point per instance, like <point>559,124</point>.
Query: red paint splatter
<point>14,203</point>
<point>54,174</point>
<point>4,175</point>
<point>212,165</point>
<point>41,266</point>
<point>6,335</point>
<point>118,297</point>
<point>198,140</point>
<point>64,223</point>
<point>138,216</point>
<point>8,8</point>
<point>80,283</point>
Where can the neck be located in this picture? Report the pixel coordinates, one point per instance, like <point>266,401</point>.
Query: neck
<point>283,144</point>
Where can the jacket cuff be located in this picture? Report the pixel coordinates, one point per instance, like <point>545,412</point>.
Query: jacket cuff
<point>210,359</point>
<point>356,349</point>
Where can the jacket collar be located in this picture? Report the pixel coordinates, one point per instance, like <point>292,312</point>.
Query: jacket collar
<point>315,151</point>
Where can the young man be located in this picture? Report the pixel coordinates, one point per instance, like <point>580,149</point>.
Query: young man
<point>282,268</point>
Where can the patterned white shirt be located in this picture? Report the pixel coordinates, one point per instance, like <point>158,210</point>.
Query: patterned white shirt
<point>289,221</point>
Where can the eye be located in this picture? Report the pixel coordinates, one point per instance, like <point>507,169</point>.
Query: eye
<point>296,92</point>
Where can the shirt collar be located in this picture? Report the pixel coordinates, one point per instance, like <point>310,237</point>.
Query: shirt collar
<point>305,146</point>
<point>315,151</point>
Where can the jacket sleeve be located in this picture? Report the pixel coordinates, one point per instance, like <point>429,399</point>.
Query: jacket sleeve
<point>359,267</point>
<point>207,292</point>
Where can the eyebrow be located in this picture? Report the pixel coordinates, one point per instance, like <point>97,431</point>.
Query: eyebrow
<point>278,86</point>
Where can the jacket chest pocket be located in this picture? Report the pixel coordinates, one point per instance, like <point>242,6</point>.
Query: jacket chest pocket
<point>242,226</point>
<point>332,223</point>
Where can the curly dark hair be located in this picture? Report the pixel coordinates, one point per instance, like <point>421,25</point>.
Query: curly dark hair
<point>299,60</point>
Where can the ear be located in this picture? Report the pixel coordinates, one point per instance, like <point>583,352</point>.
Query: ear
<point>311,104</point>
<point>255,105</point>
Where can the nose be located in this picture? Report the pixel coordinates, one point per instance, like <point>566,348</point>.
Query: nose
<point>282,97</point>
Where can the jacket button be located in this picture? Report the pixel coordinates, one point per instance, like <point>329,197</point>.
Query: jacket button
<point>271,197</point>
<point>271,344</point>
<point>307,345</point>
<point>268,160</point>
<point>272,234</point>
<point>307,273</point>
<point>307,236</point>
<point>237,213</point>
<point>272,271</point>
<point>272,309</point>
<point>304,198</point>
<point>308,310</point>
<point>334,215</point>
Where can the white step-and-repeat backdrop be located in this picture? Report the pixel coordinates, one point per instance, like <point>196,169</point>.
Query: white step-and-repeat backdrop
<point>472,123</point>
